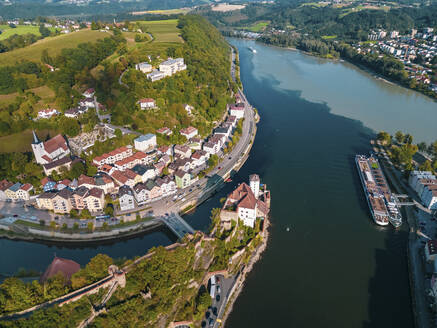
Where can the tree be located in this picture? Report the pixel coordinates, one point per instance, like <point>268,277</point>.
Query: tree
<point>77,169</point>
<point>399,136</point>
<point>85,214</point>
<point>45,32</point>
<point>94,26</point>
<point>75,226</point>
<point>408,139</point>
<point>52,225</point>
<point>90,226</point>
<point>118,133</point>
<point>74,213</point>
<point>422,146</point>
<point>70,126</point>
<point>426,166</point>
<point>91,170</point>
<point>109,210</point>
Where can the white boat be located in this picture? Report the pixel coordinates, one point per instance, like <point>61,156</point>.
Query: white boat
<point>253,50</point>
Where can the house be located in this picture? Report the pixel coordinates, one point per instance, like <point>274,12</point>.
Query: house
<point>77,198</point>
<point>195,143</point>
<point>56,165</point>
<point>22,193</point>
<point>63,184</point>
<point>129,162</point>
<point>11,192</point>
<point>182,150</point>
<point>431,250</point>
<point>165,150</point>
<point>75,112</point>
<point>165,159</point>
<point>147,103</point>
<point>153,189</point>
<point>429,197</point>
<point>156,75</point>
<point>232,120</point>
<point>44,200</point>
<point>106,168</point>
<point>167,185</point>
<point>61,202</point>
<point>172,66</point>
<point>237,110</point>
<point>47,113</point>
<point>86,181</point>
<point>183,179</point>
<point>95,200</point>
<point>89,93</point>
<point>200,157</point>
<point>146,172</point>
<point>114,156</point>
<point>165,131</point>
<point>189,132</point>
<point>189,109</point>
<point>141,193</point>
<point>145,142</point>
<point>144,67</point>
<point>87,102</point>
<point>159,167</point>
<point>50,150</point>
<point>247,203</point>
<point>211,147</point>
<point>126,198</point>
<point>4,185</point>
<point>105,183</point>
<point>122,179</point>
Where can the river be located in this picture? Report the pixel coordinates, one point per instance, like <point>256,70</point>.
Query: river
<point>335,268</point>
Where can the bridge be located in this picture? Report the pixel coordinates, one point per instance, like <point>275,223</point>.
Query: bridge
<point>177,225</point>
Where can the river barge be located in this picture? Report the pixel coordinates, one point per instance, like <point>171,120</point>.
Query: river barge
<point>382,203</point>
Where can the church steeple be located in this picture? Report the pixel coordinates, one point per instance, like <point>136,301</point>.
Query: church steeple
<point>35,138</point>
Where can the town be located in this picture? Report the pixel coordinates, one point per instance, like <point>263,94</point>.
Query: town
<point>132,177</point>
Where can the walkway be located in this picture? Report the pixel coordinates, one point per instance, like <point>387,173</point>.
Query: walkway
<point>177,225</point>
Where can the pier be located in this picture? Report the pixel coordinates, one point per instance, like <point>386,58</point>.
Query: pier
<point>177,224</point>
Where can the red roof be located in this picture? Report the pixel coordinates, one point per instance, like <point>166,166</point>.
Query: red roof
<point>119,176</point>
<point>188,130</point>
<point>95,192</point>
<point>244,196</point>
<point>55,143</point>
<point>26,187</point>
<point>5,184</point>
<point>83,179</point>
<point>59,265</point>
<point>147,100</point>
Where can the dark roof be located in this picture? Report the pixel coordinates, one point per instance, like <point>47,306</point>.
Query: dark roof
<point>124,190</point>
<point>47,195</point>
<point>65,193</point>
<point>59,162</point>
<point>81,191</point>
<point>59,265</point>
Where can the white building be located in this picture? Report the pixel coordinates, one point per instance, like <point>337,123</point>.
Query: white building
<point>145,142</point>
<point>126,198</point>
<point>144,67</point>
<point>47,113</point>
<point>237,111</point>
<point>172,66</point>
<point>50,150</point>
<point>156,75</point>
<point>189,132</point>
<point>147,103</point>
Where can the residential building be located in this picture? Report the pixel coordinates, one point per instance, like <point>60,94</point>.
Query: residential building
<point>182,150</point>
<point>147,103</point>
<point>167,185</point>
<point>24,192</point>
<point>86,181</point>
<point>211,147</point>
<point>89,93</point>
<point>237,110</point>
<point>145,142</point>
<point>189,132</point>
<point>44,200</point>
<point>144,67</point>
<point>189,109</point>
<point>50,150</point>
<point>165,131</point>
<point>200,157</point>
<point>172,66</point>
<point>75,112</point>
<point>56,165</point>
<point>4,185</point>
<point>95,200</point>
<point>47,113</point>
<point>61,202</point>
<point>77,198</point>
<point>114,156</point>
<point>153,189</point>
<point>165,150</point>
<point>105,183</point>
<point>146,172</point>
<point>126,198</point>
<point>183,179</point>
<point>156,75</point>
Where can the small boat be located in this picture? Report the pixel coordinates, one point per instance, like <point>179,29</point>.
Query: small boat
<point>288,229</point>
<point>228,180</point>
<point>253,50</point>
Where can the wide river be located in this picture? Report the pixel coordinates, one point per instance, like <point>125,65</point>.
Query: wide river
<point>334,268</point>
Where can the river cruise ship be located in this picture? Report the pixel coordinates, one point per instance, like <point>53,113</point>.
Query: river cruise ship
<point>382,202</point>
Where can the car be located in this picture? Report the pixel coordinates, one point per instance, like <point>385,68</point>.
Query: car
<point>219,168</point>
<point>207,314</point>
<point>217,298</point>
<point>218,289</point>
<point>15,216</point>
<point>229,157</point>
<point>214,310</point>
<point>190,190</point>
<point>211,322</point>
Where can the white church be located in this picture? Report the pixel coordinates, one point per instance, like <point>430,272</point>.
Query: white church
<point>50,150</point>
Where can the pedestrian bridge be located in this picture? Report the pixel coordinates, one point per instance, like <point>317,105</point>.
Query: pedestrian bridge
<point>177,224</point>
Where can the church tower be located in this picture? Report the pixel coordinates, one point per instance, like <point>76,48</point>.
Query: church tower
<point>38,149</point>
<point>254,184</point>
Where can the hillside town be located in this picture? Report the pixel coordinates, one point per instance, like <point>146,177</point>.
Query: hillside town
<point>416,50</point>
<point>132,175</point>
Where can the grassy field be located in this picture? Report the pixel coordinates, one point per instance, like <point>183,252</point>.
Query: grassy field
<point>258,26</point>
<point>45,93</point>
<point>163,12</point>
<point>55,44</point>
<point>21,142</point>
<point>329,37</point>
<point>7,31</point>
<point>164,30</point>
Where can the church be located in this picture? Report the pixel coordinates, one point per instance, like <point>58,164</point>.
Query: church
<point>50,150</point>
